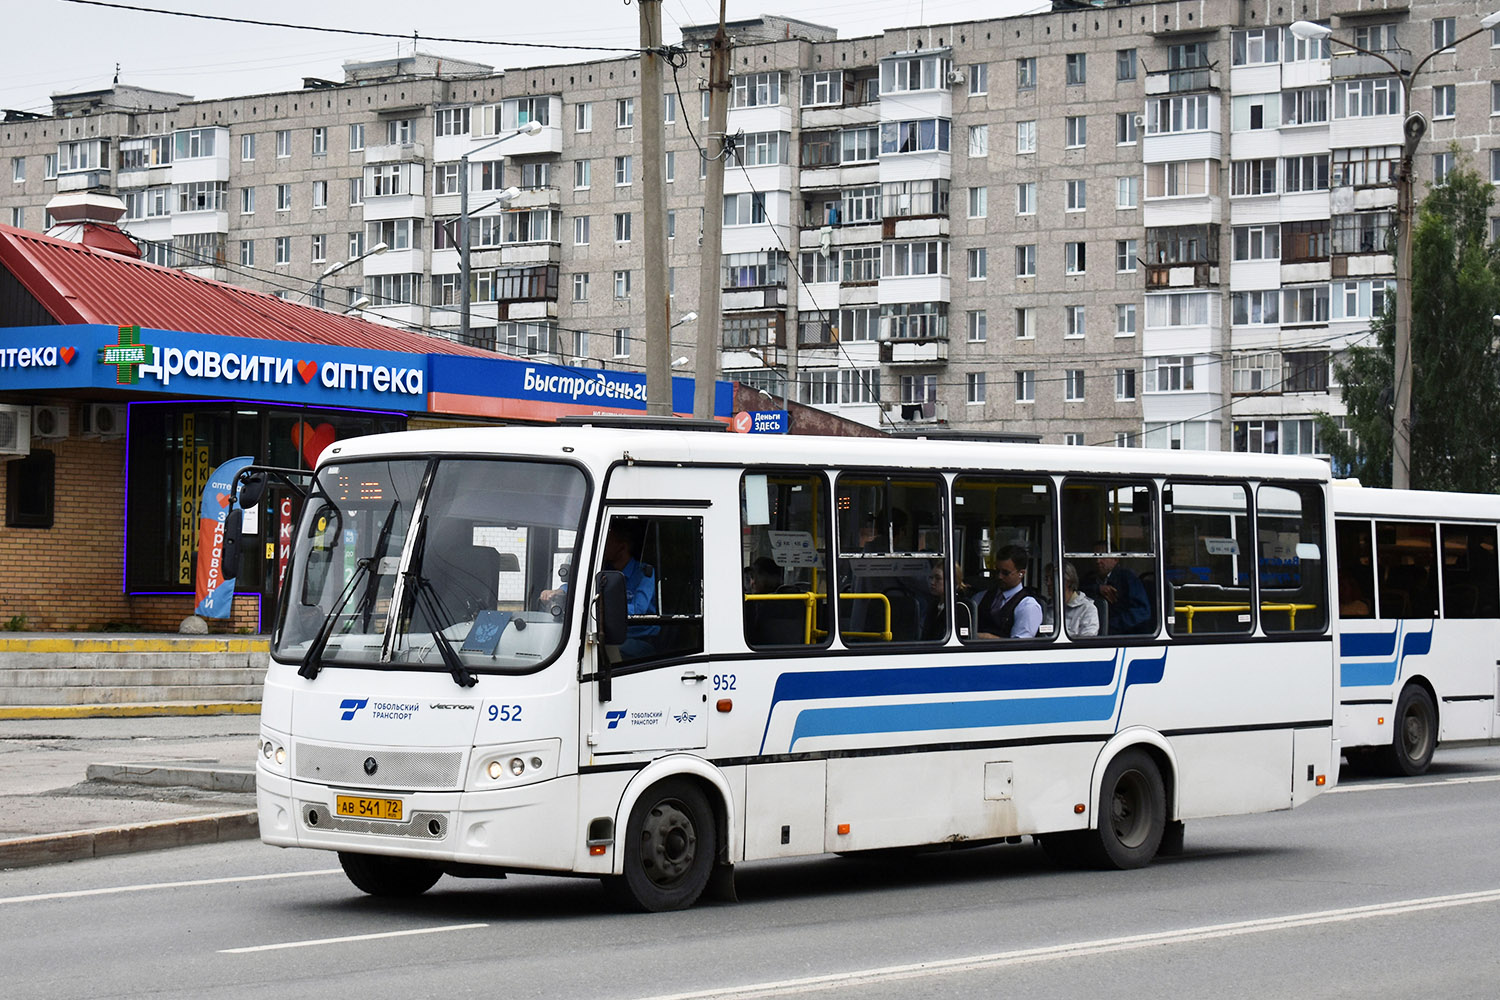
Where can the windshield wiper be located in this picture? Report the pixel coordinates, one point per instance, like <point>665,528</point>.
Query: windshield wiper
<point>312,660</point>
<point>432,605</point>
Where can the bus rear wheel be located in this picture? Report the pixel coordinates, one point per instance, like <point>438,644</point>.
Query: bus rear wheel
<point>1132,813</point>
<point>383,876</point>
<point>1414,737</point>
<point>668,849</point>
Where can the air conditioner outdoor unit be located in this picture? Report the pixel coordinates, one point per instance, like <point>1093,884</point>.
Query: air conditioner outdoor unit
<point>1140,121</point>
<point>956,76</point>
<point>49,423</point>
<point>15,431</point>
<point>103,420</point>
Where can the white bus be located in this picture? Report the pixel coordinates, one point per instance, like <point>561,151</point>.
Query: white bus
<point>1419,599</point>
<point>647,656</point>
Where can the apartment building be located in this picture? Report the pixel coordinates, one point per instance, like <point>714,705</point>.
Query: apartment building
<point>1123,224</point>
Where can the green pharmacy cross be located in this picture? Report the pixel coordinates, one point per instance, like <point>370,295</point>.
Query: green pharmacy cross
<point>127,356</point>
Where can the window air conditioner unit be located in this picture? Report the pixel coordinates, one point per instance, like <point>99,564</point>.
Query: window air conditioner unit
<point>49,423</point>
<point>103,420</point>
<point>15,431</point>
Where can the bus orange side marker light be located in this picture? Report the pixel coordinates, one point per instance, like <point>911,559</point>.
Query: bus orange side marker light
<point>1380,721</point>
<point>724,704</point>
<point>1079,808</point>
<point>1322,780</point>
<point>843,829</point>
<point>597,850</point>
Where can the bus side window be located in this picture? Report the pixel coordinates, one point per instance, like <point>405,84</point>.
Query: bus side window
<point>1206,571</point>
<point>1109,533</point>
<point>662,559</point>
<point>1010,515</point>
<point>1469,580</point>
<point>784,558</point>
<point>1407,557</point>
<point>1356,569</point>
<point>1293,558</point>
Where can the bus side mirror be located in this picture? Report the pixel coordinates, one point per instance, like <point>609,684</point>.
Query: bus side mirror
<point>610,614</point>
<point>233,546</point>
<point>252,488</point>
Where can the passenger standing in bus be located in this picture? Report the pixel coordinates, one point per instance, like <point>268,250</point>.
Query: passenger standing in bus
<point>1011,609</point>
<point>1129,607</point>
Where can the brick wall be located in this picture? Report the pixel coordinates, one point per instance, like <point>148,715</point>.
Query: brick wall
<point>68,578</point>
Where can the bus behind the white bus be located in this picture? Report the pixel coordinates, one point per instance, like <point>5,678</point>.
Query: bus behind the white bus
<point>648,656</point>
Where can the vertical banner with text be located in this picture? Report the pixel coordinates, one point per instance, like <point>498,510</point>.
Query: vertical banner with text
<point>187,501</point>
<point>216,594</point>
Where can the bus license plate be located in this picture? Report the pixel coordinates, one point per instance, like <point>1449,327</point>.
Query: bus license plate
<point>367,808</point>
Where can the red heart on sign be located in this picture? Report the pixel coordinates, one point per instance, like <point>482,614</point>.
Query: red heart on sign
<point>307,369</point>
<point>312,440</point>
<point>223,499</point>
<point>67,355</point>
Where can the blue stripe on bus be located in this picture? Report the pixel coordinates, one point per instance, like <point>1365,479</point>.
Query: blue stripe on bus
<point>1417,643</point>
<point>1380,673</point>
<point>1367,643</point>
<point>993,677</point>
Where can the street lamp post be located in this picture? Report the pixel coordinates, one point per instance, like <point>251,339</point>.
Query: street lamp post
<point>332,269</point>
<point>530,128</point>
<point>1414,129</point>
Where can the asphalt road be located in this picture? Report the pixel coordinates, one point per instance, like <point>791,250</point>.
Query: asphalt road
<point>1383,888</point>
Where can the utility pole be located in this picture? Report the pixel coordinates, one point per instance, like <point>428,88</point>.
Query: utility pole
<point>711,247</point>
<point>654,282</point>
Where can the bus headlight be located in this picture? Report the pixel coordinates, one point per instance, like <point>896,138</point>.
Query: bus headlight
<point>273,752</point>
<point>514,764</point>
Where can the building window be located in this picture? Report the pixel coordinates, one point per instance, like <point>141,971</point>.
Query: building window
<point>622,341</point>
<point>1444,31</point>
<point>979,140</point>
<point>18,217</point>
<point>283,249</point>
<point>670,175</point>
<point>1073,385</point>
<point>1026,198</point>
<point>399,132</point>
<point>583,117</point>
<point>744,209</point>
<point>29,490</point>
<point>581,231</point>
<point>1253,177</point>
<point>356,191</point>
<point>1076,130</point>
<point>978,202</point>
<point>623,171</point>
<point>1169,374</point>
<point>1305,173</point>
<point>320,141</point>
<point>581,287</point>
<point>1025,386</point>
<point>356,138</point>
<point>319,194</point>
<point>283,143</point>
<point>247,253</point>
<point>1125,319</point>
<point>1026,260</point>
<point>1125,63</point>
<point>1127,192</point>
<point>1444,101</point>
<point>1026,323</point>
<point>1124,385</point>
<point>1076,195</point>
<point>1026,137</point>
<point>1077,68</point>
<point>1442,166</point>
<point>979,262</point>
<point>283,197</point>
<point>1026,73</point>
<point>979,79</point>
<point>978,326</point>
<point>622,285</point>
<point>1075,257</point>
<point>1073,321</point>
<point>319,249</point>
<point>247,201</point>
<point>622,227</point>
<point>974,385</point>
<point>625,112</point>
<point>1127,133</point>
<point>247,147</point>
<point>1125,256</point>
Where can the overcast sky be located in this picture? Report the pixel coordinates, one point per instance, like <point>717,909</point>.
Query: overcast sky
<point>60,47</point>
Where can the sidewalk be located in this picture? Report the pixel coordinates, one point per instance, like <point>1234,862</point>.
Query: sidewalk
<point>73,787</point>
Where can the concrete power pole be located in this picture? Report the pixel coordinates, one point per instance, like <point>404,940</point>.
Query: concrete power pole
<point>710,262</point>
<point>654,283</point>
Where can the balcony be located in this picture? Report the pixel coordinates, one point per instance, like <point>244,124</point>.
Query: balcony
<point>1199,275</point>
<point>928,351</point>
<point>1347,63</point>
<point>1182,81</point>
<point>403,152</point>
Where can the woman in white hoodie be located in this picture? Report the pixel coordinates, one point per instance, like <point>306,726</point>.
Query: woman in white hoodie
<point>1080,617</point>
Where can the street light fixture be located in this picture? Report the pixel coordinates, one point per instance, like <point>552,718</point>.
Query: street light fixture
<point>530,128</point>
<point>357,304</point>
<point>1415,127</point>
<point>332,269</point>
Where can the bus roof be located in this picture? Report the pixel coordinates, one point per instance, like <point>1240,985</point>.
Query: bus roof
<point>598,446</point>
<point>1352,498</point>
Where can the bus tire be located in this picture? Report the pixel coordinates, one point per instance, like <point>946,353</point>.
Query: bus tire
<point>1132,812</point>
<point>383,876</point>
<point>1414,736</point>
<point>1065,850</point>
<point>669,849</point>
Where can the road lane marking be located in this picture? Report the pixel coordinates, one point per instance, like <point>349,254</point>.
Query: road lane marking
<point>79,893</point>
<point>313,942</point>
<point>1080,949</point>
<point>1438,783</point>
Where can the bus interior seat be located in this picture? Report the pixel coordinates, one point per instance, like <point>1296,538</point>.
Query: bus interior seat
<point>1102,606</point>
<point>906,615</point>
<point>775,623</point>
<point>1393,603</point>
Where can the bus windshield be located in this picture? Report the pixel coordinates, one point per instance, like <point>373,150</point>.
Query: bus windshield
<point>433,563</point>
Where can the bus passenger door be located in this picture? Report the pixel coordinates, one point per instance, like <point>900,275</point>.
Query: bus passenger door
<point>658,690</point>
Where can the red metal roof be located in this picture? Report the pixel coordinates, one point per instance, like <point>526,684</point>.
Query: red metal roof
<point>78,285</point>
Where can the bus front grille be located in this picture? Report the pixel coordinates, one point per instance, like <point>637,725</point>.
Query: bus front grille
<point>430,770</point>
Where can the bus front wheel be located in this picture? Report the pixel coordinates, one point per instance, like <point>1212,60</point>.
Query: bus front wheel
<point>1132,812</point>
<point>668,849</point>
<point>382,876</point>
<point>1415,735</point>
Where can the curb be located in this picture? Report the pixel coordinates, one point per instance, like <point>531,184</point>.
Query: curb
<point>209,776</point>
<point>77,845</point>
<point>129,711</point>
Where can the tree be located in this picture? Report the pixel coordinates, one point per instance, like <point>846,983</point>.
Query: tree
<point>1455,282</point>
